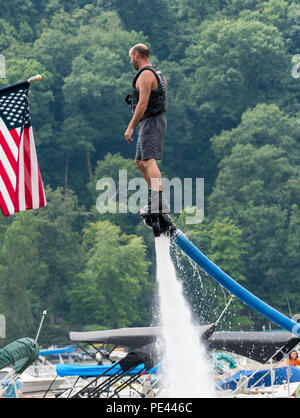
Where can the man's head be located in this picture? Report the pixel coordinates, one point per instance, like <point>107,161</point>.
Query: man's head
<point>139,56</point>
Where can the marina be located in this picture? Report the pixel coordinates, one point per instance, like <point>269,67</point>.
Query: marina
<point>162,239</point>
<point>152,362</point>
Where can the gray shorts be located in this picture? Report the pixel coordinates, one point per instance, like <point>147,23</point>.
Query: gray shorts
<point>150,142</point>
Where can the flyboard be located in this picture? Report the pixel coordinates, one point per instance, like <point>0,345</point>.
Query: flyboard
<point>163,224</point>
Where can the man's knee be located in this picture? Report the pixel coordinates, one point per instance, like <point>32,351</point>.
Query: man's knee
<point>139,163</point>
<point>143,164</point>
<point>148,163</point>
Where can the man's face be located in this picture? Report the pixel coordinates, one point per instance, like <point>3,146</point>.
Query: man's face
<point>133,60</point>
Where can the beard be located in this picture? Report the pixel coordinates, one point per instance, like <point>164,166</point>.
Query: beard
<point>135,65</point>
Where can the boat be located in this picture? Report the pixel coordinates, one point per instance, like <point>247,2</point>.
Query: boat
<point>34,384</point>
<point>262,352</point>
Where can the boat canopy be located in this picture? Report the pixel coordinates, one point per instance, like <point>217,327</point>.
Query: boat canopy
<point>130,337</point>
<point>94,370</point>
<point>259,346</point>
<point>20,353</point>
<point>256,345</point>
<point>56,351</point>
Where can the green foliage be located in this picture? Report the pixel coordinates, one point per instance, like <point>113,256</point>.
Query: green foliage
<point>120,170</point>
<point>232,116</point>
<point>22,275</point>
<point>113,287</point>
<point>37,263</point>
<point>237,64</point>
<point>257,187</point>
<point>263,125</point>
<point>221,241</point>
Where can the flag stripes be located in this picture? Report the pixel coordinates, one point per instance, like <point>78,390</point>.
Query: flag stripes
<point>21,186</point>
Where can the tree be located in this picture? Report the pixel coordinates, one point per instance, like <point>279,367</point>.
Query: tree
<point>293,266</point>
<point>110,167</point>
<point>155,20</point>
<point>40,95</point>
<point>112,288</point>
<point>237,64</point>
<point>260,126</point>
<point>60,249</point>
<point>236,7</point>
<point>221,242</point>
<point>22,276</point>
<point>23,12</point>
<point>275,12</point>
<point>180,128</point>
<point>256,188</point>
<point>93,93</point>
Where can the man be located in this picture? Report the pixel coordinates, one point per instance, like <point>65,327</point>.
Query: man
<point>12,389</point>
<point>148,103</point>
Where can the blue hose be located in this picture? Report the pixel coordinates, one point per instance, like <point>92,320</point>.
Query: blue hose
<point>232,286</point>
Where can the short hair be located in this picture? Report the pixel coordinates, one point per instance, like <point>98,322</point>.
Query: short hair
<point>142,50</point>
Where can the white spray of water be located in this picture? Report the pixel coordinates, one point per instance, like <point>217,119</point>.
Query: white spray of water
<point>187,371</point>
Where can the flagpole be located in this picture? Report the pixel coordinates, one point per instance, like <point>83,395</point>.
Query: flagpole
<point>41,323</point>
<point>37,77</point>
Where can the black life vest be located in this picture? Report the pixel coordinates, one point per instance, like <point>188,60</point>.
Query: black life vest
<point>158,98</point>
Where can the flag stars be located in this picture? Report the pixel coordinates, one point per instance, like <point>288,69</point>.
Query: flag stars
<point>14,108</point>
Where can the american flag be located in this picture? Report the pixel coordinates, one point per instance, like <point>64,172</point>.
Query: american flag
<point>21,186</point>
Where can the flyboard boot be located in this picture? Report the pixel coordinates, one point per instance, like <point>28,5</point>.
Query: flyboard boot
<point>156,214</point>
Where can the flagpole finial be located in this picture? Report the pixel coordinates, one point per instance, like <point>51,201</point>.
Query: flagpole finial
<point>35,78</point>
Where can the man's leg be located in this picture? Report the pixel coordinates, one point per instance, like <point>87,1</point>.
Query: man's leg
<point>152,175</point>
<point>149,150</point>
<point>140,165</point>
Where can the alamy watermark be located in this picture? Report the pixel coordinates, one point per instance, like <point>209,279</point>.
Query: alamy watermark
<point>129,196</point>
<point>2,66</point>
<point>296,66</point>
<point>2,326</point>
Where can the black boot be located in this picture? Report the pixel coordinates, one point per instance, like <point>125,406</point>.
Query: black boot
<point>157,204</point>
